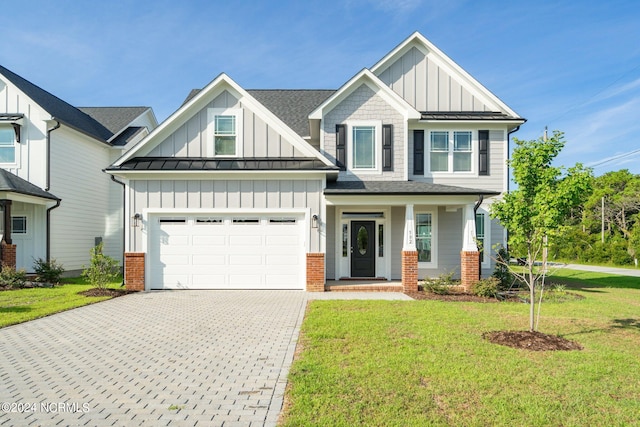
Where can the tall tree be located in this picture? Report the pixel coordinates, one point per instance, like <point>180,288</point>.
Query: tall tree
<point>538,208</point>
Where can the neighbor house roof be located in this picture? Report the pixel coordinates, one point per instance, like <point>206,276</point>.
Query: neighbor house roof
<point>208,164</point>
<point>58,108</point>
<point>114,118</point>
<point>400,188</point>
<point>13,183</point>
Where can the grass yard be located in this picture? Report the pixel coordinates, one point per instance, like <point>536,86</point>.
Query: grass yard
<point>425,363</point>
<point>21,305</point>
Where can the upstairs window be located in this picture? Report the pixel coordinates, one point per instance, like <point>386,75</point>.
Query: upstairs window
<point>225,125</point>
<point>364,147</point>
<point>450,151</point>
<point>7,144</point>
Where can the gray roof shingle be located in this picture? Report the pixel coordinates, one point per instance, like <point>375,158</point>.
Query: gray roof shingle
<point>114,118</point>
<point>14,184</point>
<point>400,188</point>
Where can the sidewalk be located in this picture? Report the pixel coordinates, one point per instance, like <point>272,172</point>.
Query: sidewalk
<point>608,270</point>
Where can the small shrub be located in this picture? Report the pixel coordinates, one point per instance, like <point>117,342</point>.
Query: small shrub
<point>12,278</point>
<point>501,271</point>
<point>441,285</point>
<point>102,269</point>
<point>488,287</point>
<point>49,272</point>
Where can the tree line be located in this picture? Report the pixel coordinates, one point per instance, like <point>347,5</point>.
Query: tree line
<point>605,227</point>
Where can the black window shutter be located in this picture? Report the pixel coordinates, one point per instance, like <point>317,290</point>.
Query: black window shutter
<point>483,152</point>
<point>341,146</point>
<point>418,152</point>
<point>387,147</point>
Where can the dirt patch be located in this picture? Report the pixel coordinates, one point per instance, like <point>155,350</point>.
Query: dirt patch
<point>108,292</point>
<point>534,341</point>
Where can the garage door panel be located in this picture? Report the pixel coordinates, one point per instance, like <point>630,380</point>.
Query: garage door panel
<point>227,254</point>
<point>200,240</point>
<point>208,260</point>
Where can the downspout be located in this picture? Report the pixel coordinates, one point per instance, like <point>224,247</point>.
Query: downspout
<point>475,212</point>
<point>49,154</point>
<point>124,219</point>
<point>49,229</point>
<point>48,186</point>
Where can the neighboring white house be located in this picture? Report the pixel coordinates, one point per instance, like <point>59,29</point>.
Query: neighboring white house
<point>387,178</point>
<point>56,201</point>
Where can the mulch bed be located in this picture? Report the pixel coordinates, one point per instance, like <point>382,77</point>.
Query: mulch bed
<point>534,341</point>
<point>457,297</point>
<point>108,292</point>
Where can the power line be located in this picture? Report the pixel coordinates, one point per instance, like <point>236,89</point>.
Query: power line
<point>618,157</point>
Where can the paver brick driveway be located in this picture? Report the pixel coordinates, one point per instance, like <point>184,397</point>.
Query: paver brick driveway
<point>158,358</point>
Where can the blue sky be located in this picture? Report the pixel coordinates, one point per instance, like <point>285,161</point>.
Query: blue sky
<point>569,65</point>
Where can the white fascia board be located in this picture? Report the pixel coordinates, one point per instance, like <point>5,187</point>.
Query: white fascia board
<point>419,41</point>
<point>367,77</point>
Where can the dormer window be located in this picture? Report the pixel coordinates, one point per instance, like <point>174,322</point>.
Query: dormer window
<point>225,132</point>
<point>7,144</point>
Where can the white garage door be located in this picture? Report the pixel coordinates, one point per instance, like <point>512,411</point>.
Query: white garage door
<point>226,252</point>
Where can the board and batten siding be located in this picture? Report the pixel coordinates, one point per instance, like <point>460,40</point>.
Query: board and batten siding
<point>361,105</point>
<point>192,138</point>
<point>494,181</point>
<point>427,86</point>
<point>31,152</point>
<point>331,244</point>
<point>223,194</point>
<point>86,211</point>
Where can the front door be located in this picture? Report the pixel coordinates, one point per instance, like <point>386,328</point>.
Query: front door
<point>362,249</point>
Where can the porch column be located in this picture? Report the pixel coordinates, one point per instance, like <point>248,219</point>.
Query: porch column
<point>469,256</point>
<point>409,253</point>
<point>7,248</point>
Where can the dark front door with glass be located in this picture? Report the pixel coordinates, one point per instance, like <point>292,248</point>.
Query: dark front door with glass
<point>363,249</point>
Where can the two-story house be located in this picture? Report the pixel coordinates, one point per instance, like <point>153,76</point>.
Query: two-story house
<point>388,178</point>
<point>55,200</point>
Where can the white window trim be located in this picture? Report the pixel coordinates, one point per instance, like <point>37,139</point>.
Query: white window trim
<point>377,125</point>
<point>486,262</point>
<point>211,114</point>
<point>450,132</point>
<point>16,151</point>
<point>26,224</point>
<point>434,237</point>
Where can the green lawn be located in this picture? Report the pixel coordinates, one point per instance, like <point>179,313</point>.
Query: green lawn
<point>425,362</point>
<point>21,305</point>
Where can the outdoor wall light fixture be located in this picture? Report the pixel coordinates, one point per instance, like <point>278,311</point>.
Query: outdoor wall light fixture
<point>136,220</point>
<point>314,221</point>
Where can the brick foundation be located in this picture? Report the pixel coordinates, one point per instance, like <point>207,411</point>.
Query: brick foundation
<point>9,255</point>
<point>134,271</point>
<point>469,268</point>
<point>315,272</point>
<point>410,271</point>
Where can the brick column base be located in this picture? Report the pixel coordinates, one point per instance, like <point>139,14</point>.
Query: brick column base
<point>410,271</point>
<point>315,272</point>
<point>134,271</point>
<point>469,268</point>
<point>8,255</point>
